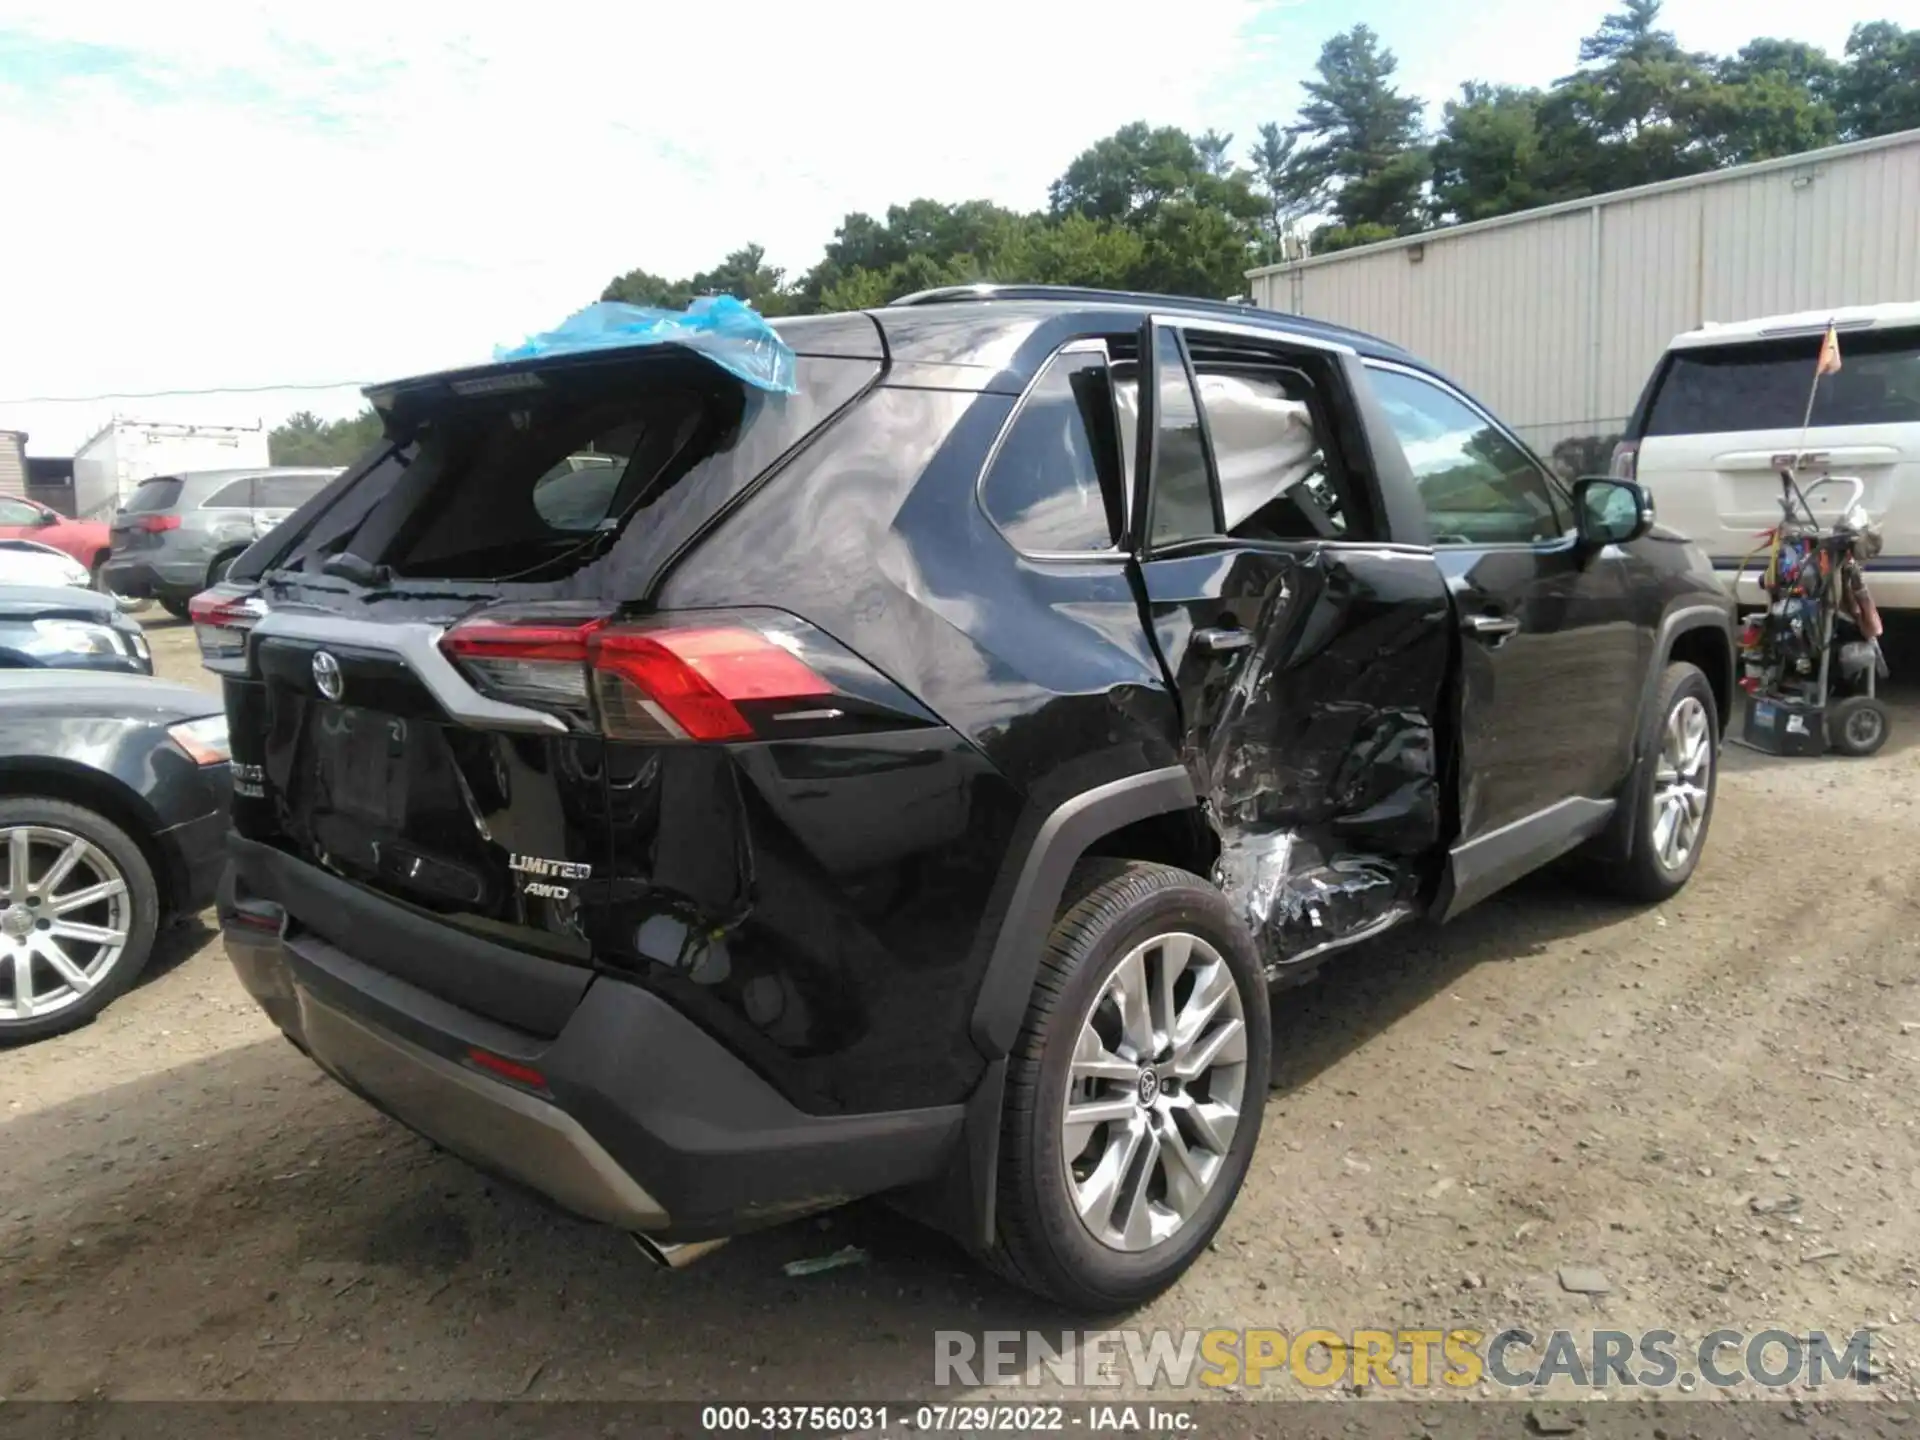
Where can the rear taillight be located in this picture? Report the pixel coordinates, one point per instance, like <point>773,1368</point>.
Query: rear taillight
<point>1626,460</point>
<point>223,617</point>
<point>689,684</point>
<point>738,676</point>
<point>154,524</point>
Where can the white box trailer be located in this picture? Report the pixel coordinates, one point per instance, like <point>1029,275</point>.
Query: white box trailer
<point>108,467</point>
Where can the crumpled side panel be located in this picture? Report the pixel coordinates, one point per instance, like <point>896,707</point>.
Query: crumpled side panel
<point>1323,768</point>
<point>1300,903</point>
<point>729,333</point>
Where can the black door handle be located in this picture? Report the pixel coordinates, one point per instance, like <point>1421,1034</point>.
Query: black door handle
<point>1221,639</point>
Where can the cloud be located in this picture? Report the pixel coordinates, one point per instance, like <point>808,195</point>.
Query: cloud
<point>291,193</point>
<point>251,193</point>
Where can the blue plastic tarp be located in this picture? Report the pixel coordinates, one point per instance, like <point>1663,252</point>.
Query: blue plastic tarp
<point>728,332</point>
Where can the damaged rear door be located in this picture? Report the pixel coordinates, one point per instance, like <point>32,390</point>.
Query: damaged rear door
<point>1310,653</point>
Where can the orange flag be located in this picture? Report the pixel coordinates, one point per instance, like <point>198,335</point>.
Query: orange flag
<point>1829,352</point>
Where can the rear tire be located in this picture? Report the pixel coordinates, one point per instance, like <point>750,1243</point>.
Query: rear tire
<point>98,856</point>
<point>1138,951</point>
<point>1671,789</point>
<point>175,608</point>
<point>1857,726</point>
<point>129,604</point>
<point>217,571</point>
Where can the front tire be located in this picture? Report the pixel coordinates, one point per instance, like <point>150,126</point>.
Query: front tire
<point>78,914</point>
<point>1672,789</point>
<point>1135,1089</point>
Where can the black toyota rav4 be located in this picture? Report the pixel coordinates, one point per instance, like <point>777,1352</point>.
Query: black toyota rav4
<point>707,804</point>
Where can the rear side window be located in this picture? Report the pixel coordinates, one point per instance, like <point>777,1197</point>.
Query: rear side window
<point>1054,483</point>
<point>150,495</point>
<point>1716,390</point>
<point>287,492</point>
<point>237,496</point>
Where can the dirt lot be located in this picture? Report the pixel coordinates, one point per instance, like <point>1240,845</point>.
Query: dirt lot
<point>188,1210</point>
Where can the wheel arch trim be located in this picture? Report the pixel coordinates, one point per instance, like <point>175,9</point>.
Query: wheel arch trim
<point>40,777</point>
<point>1061,839</point>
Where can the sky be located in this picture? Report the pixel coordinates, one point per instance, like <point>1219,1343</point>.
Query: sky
<point>274,194</point>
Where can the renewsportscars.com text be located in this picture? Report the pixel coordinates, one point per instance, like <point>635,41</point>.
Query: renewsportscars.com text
<point>1455,1359</point>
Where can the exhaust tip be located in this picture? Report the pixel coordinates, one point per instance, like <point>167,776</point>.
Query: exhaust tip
<point>675,1257</point>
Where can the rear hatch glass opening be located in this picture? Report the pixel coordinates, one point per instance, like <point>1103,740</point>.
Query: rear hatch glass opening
<point>160,493</point>
<point>517,492</point>
<point>531,486</point>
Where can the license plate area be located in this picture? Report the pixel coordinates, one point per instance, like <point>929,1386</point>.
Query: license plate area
<point>361,762</point>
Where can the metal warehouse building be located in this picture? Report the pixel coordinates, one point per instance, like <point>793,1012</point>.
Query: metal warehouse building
<point>1555,317</point>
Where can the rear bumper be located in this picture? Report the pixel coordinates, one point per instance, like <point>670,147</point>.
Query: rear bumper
<point>201,850</point>
<point>634,1116</point>
<point>143,579</point>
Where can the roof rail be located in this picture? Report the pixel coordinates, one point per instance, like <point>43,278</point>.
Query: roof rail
<point>951,294</point>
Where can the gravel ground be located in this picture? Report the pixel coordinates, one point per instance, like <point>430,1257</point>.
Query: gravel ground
<point>187,1209</point>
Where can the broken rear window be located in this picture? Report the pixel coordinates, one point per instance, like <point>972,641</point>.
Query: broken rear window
<point>532,482</point>
<point>509,505</point>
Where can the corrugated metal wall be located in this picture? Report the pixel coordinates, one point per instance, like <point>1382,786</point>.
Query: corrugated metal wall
<point>1555,318</point>
<point>13,463</point>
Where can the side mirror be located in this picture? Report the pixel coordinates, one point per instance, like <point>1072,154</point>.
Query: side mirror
<point>48,517</point>
<point>1611,512</point>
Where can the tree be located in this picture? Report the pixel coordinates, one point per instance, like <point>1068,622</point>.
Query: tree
<point>1877,91</point>
<point>744,274</point>
<point>1129,175</point>
<point>1365,135</point>
<point>1633,113</point>
<point>1488,158</point>
<point>303,438</point>
<point>1282,180</point>
<point>1212,147</point>
<point>1160,208</point>
<point>1770,99</point>
<point>1198,219</point>
<point>948,244</point>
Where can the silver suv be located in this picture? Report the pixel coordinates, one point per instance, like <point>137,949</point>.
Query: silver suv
<point>177,534</point>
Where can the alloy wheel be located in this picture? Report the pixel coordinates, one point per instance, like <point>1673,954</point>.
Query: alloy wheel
<point>64,923</point>
<point>1682,783</point>
<point>1154,1096</point>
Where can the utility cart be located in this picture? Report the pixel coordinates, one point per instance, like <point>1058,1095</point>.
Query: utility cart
<point>1811,661</point>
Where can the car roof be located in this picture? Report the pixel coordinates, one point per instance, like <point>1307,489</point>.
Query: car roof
<point>1845,318</point>
<point>984,337</point>
<point>1014,300</point>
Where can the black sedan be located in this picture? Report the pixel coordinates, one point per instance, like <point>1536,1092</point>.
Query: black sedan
<point>47,626</point>
<point>113,820</point>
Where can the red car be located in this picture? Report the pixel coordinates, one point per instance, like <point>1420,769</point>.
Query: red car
<point>85,540</point>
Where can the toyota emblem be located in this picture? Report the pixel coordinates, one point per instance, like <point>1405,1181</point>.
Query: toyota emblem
<point>326,675</point>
